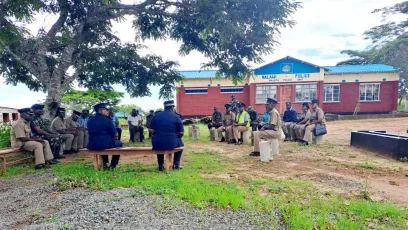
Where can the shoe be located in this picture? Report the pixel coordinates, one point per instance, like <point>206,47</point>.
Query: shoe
<point>255,154</point>
<point>177,167</point>
<point>113,167</point>
<point>53,162</point>
<point>222,139</point>
<point>238,143</point>
<point>161,168</point>
<point>286,140</point>
<point>303,143</point>
<point>68,152</point>
<point>41,166</point>
<point>59,157</point>
<point>74,151</point>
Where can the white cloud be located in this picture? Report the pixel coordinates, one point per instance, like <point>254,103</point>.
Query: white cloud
<point>324,28</point>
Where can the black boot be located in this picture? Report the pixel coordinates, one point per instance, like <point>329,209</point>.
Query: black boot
<point>41,166</point>
<point>176,167</point>
<point>52,162</point>
<point>255,154</point>
<point>161,168</point>
<point>59,157</point>
<point>222,139</point>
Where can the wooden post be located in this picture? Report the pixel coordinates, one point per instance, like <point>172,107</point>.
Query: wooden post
<point>169,160</point>
<point>95,161</point>
<point>190,131</point>
<point>195,132</point>
<point>3,166</point>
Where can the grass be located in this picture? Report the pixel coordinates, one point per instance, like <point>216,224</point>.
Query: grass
<point>401,107</point>
<point>367,165</point>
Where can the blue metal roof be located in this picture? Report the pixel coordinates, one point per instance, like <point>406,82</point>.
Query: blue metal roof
<point>198,73</point>
<point>371,68</point>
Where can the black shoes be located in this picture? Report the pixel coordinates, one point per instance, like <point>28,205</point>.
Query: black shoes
<point>41,166</point>
<point>177,167</point>
<point>303,143</point>
<point>59,157</point>
<point>222,139</point>
<point>52,162</point>
<point>255,154</point>
<point>239,142</point>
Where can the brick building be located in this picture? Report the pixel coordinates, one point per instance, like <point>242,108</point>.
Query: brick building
<point>373,88</point>
<point>8,114</point>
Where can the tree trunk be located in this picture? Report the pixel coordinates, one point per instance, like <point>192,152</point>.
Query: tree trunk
<point>400,100</point>
<point>53,99</point>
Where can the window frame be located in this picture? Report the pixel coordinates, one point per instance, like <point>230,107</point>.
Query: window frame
<point>324,93</point>
<point>262,85</point>
<point>365,86</point>
<point>296,99</point>
<point>196,89</point>
<point>240,88</point>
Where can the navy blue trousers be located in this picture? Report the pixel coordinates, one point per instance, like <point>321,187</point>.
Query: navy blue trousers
<point>176,159</point>
<point>115,158</point>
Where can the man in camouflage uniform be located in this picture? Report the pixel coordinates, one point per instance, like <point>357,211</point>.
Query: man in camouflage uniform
<point>216,120</point>
<point>253,116</point>
<point>41,128</point>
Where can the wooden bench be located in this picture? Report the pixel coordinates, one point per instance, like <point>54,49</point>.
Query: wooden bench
<point>131,151</point>
<point>5,153</point>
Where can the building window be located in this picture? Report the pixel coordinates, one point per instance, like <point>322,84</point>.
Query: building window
<point>263,92</point>
<point>331,93</point>
<point>196,91</point>
<point>369,92</point>
<point>232,90</point>
<point>305,93</point>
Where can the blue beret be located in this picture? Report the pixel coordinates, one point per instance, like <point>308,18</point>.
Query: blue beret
<point>305,104</point>
<point>288,103</point>
<point>315,101</point>
<point>271,101</point>
<point>169,103</point>
<point>100,106</point>
<point>240,105</point>
<point>37,106</point>
<point>25,110</point>
<point>77,112</point>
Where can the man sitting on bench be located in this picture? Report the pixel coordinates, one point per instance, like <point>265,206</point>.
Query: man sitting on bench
<point>103,135</point>
<point>20,139</point>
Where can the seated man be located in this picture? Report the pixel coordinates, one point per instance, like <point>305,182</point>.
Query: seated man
<point>301,125</point>
<point>103,135</point>
<point>265,118</point>
<point>20,139</point>
<point>72,124</point>
<point>241,123</point>
<point>69,136</point>
<point>135,124</point>
<point>216,119</point>
<point>83,123</point>
<point>115,122</point>
<point>228,121</point>
<point>253,116</point>
<point>317,117</point>
<point>289,118</point>
<point>41,128</point>
<point>149,118</point>
<point>167,130</point>
<point>270,130</point>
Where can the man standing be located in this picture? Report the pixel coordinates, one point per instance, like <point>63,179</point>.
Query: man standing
<point>167,130</point>
<point>241,123</point>
<point>270,130</point>
<point>228,121</point>
<point>317,117</point>
<point>72,124</point>
<point>20,139</point>
<point>103,135</point>
<point>301,125</point>
<point>216,119</point>
<point>68,135</point>
<point>234,104</point>
<point>149,118</point>
<point>115,122</point>
<point>253,116</point>
<point>135,124</point>
<point>289,118</point>
<point>41,128</point>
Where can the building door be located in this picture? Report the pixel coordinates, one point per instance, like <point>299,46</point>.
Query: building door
<point>285,96</point>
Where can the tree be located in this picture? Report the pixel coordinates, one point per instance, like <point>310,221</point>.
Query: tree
<point>78,100</point>
<point>389,46</point>
<point>80,44</point>
<point>127,108</point>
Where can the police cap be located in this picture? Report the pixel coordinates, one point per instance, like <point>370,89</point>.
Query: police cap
<point>289,103</point>
<point>315,101</point>
<point>227,106</point>
<point>169,103</point>
<point>240,105</point>
<point>305,104</point>
<point>271,101</point>
<point>77,113</point>
<point>37,107</point>
<point>25,110</point>
<point>100,106</point>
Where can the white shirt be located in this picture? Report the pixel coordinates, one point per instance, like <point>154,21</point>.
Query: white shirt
<point>135,120</point>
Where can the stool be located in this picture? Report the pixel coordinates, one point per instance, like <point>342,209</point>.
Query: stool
<point>265,149</point>
<point>214,135</point>
<point>195,132</point>
<point>274,146</point>
<point>190,131</point>
<point>317,140</point>
<point>245,138</point>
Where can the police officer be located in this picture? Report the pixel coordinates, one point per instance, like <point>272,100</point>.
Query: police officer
<point>72,123</point>
<point>241,124</point>
<point>103,135</point>
<point>69,136</point>
<point>289,119</point>
<point>228,121</point>
<point>304,118</point>
<point>167,130</point>
<point>216,119</point>
<point>317,117</point>
<point>20,139</point>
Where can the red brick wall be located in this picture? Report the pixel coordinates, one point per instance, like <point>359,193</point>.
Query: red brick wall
<point>349,94</point>
<point>203,104</point>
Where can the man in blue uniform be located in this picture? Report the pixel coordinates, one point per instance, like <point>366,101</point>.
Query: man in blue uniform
<point>103,135</point>
<point>167,130</point>
<point>289,119</point>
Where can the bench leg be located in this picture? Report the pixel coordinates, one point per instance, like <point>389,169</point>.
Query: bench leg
<point>169,161</point>
<point>100,162</point>
<point>3,166</point>
<point>96,163</point>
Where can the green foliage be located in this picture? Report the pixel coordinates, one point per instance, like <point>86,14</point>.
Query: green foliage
<point>127,108</point>
<point>5,129</point>
<point>78,100</point>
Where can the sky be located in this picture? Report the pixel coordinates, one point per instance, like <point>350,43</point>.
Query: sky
<point>323,29</point>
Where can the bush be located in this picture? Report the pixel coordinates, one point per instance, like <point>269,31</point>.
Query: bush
<point>5,135</point>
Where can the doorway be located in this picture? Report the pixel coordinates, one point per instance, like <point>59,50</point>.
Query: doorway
<point>285,96</point>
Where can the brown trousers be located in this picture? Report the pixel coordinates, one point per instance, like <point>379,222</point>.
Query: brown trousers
<point>265,135</point>
<point>237,130</point>
<point>42,151</point>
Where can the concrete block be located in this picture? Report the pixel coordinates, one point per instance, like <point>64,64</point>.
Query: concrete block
<point>213,135</point>
<point>274,147</point>
<point>317,140</point>
<point>245,138</point>
<point>265,151</point>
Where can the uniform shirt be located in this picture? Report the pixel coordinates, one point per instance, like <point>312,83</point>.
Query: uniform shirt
<point>275,119</point>
<point>290,115</point>
<point>166,126</point>
<point>305,115</point>
<point>135,120</point>
<point>44,124</point>
<point>70,123</point>
<point>101,132</point>
<point>58,124</point>
<point>82,122</point>
<point>316,114</point>
<point>217,117</point>
<point>253,115</point>
<point>19,129</point>
<point>229,118</point>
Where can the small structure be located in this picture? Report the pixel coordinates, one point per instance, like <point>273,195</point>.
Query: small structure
<point>8,114</point>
